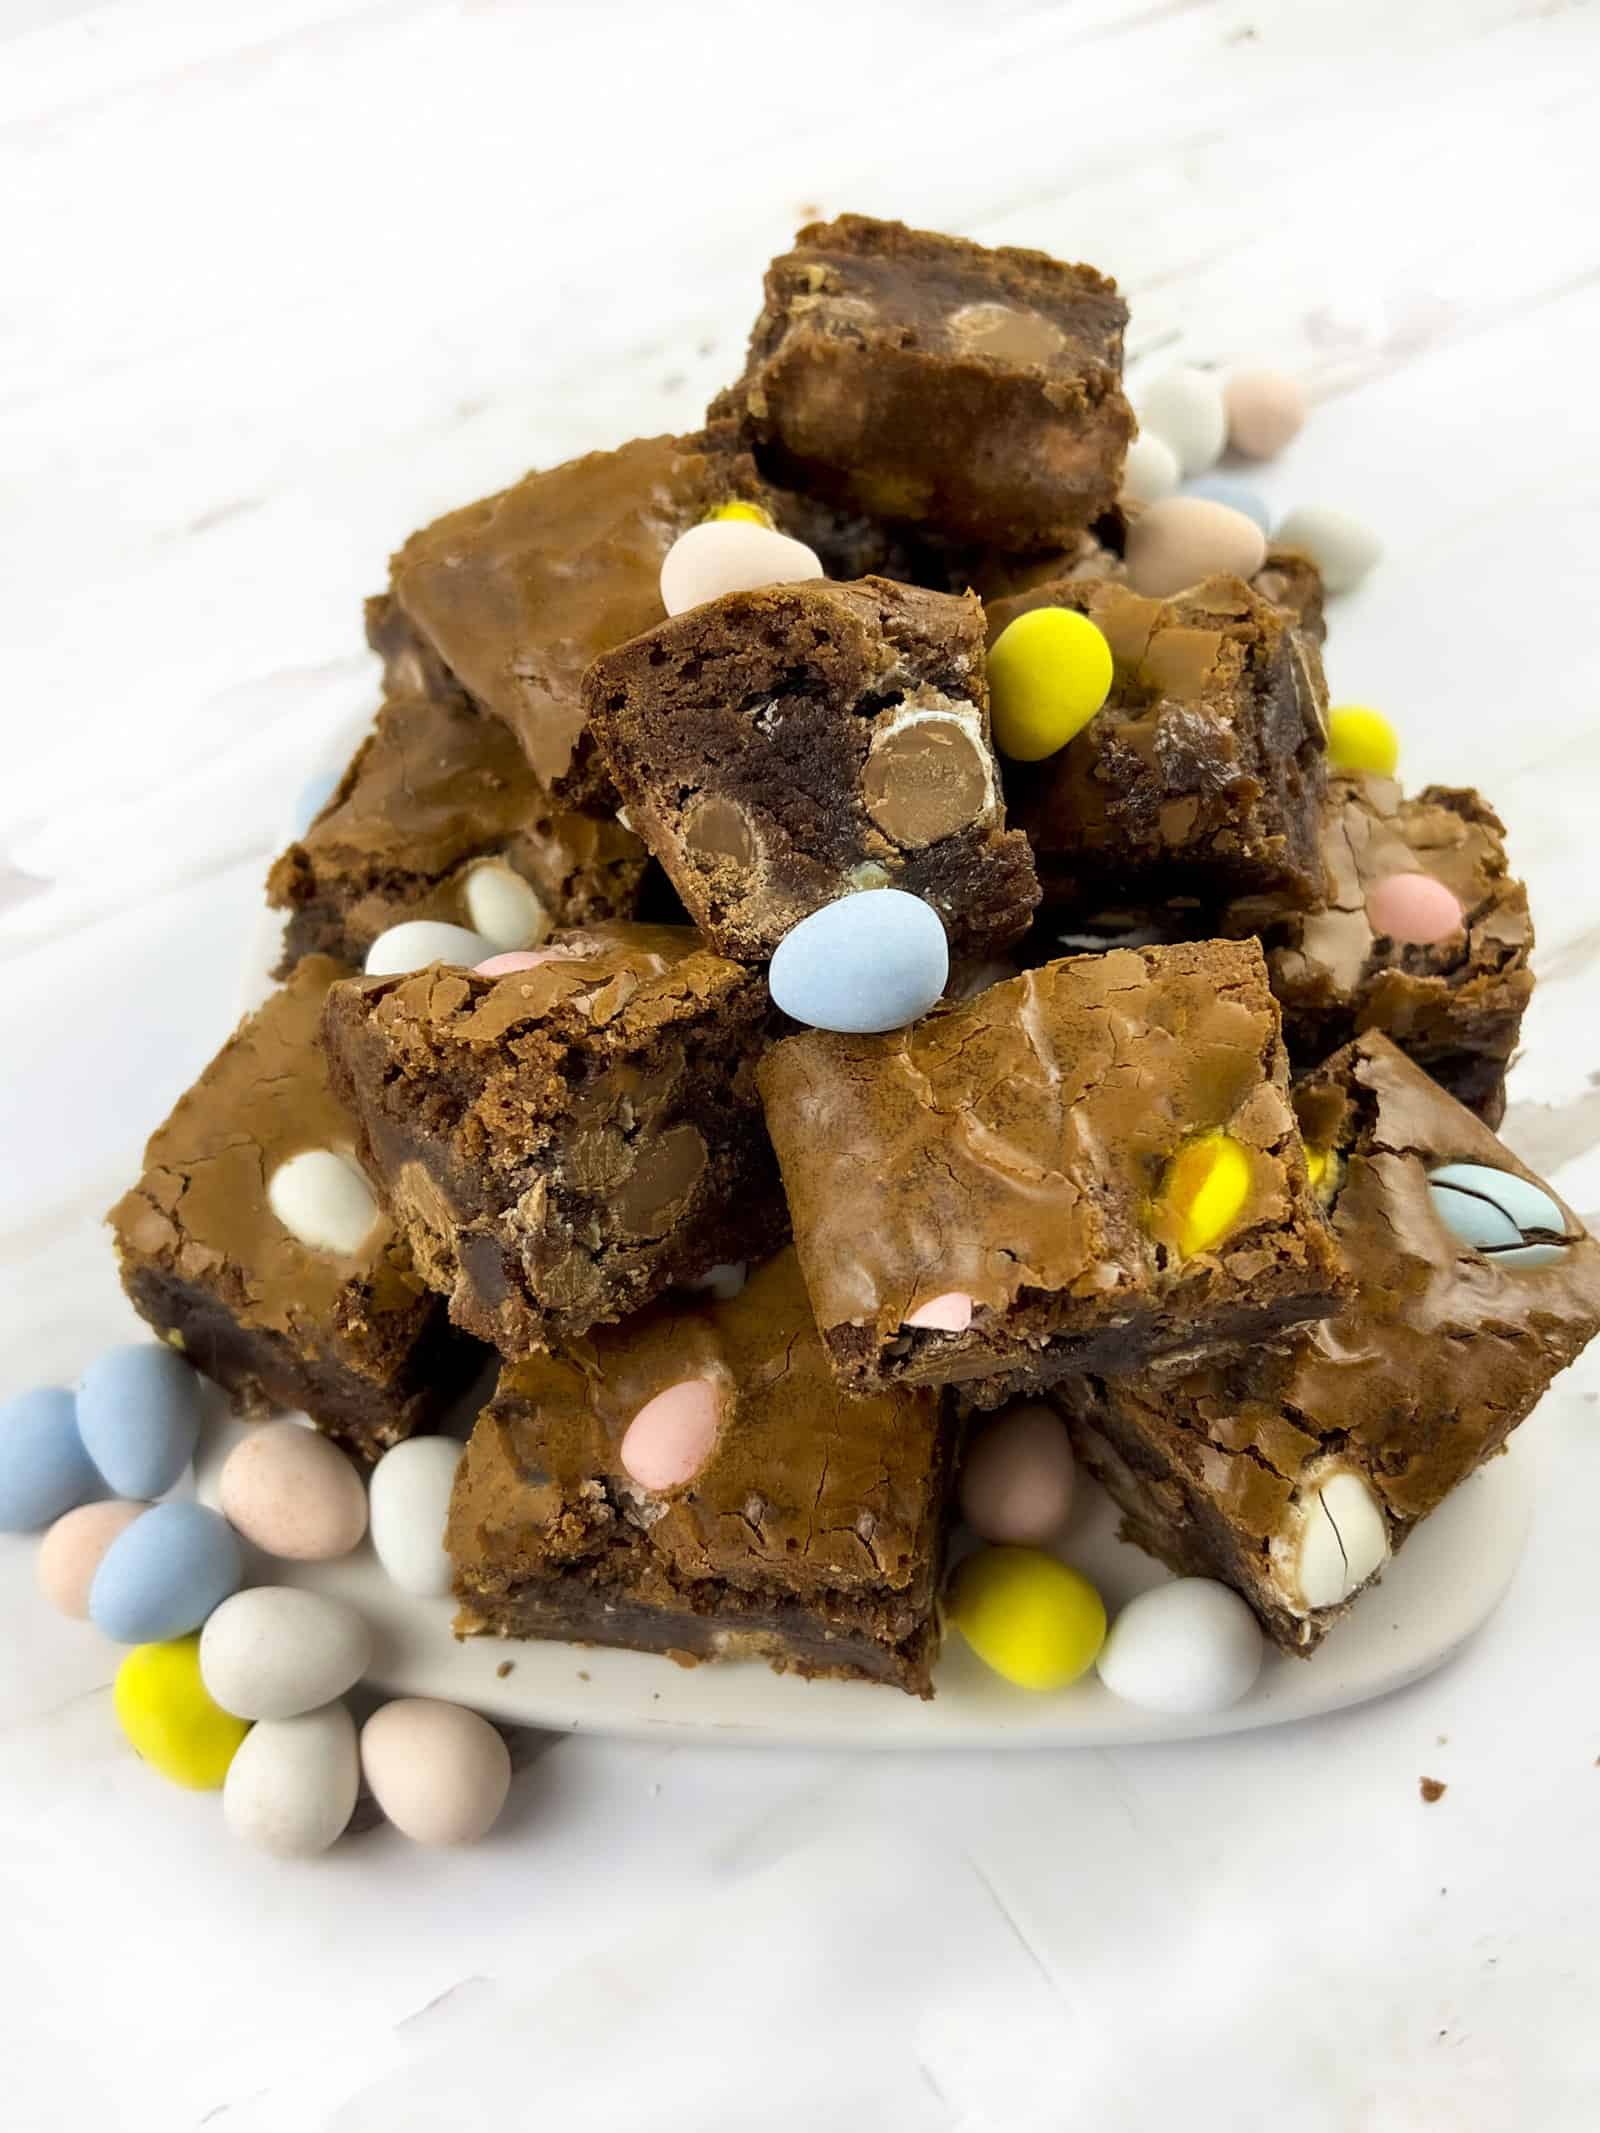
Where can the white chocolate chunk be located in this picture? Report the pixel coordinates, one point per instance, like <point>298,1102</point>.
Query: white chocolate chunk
<point>504,908</point>
<point>324,1201</point>
<point>1344,1540</point>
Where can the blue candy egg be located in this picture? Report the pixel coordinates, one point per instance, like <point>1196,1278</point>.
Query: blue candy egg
<point>1515,1223</point>
<point>1237,495</point>
<point>873,961</point>
<point>165,1574</point>
<point>139,1413</point>
<point>312,798</point>
<point>44,1469</point>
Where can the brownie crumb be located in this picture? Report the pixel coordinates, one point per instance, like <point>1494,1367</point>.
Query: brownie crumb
<point>1431,1790</point>
<point>583,1674</point>
<point>503,1669</point>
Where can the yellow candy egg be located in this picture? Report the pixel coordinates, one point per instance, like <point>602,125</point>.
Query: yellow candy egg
<point>1037,1623</point>
<point>1204,1190</point>
<point>164,1709</point>
<point>1361,739</point>
<point>1316,1166</point>
<point>738,508</point>
<point>1049,673</point>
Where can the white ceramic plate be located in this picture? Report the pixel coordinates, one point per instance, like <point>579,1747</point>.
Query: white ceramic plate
<point>1448,1579</point>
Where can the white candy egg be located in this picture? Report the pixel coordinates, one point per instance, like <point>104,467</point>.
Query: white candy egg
<point>1151,470</point>
<point>417,942</point>
<point>274,1651</point>
<point>1342,548</point>
<point>291,1787</point>
<point>1183,1648</point>
<point>409,1502</point>
<point>1185,409</point>
<point>504,908</point>
<point>731,555</point>
<point>440,1773</point>
<point>324,1201</point>
<point>1343,1541</point>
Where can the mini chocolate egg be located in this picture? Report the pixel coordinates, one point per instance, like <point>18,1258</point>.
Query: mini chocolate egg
<point>872,961</point>
<point>727,555</point>
<point>1151,470</point>
<point>291,1788</point>
<point>670,1438</point>
<point>1050,671</point>
<point>1184,408</point>
<point>169,1719</point>
<point>323,1200</point>
<point>293,1493</point>
<point>409,1503</point>
<point>439,1773</point>
<point>1204,1190</point>
<point>1236,495</point>
<point>505,966</point>
<point>503,907</point>
<point>1036,1622</point>
<point>1343,549</point>
<point>1017,1477</point>
<point>1266,410</point>
<point>1414,909</point>
<point>1183,1648</point>
<point>275,1651</point>
<point>139,1415</point>
<point>1362,740</point>
<point>73,1549</point>
<point>44,1469</point>
<point>1513,1222</point>
<point>164,1574</point>
<point>417,942</point>
<point>1176,544</point>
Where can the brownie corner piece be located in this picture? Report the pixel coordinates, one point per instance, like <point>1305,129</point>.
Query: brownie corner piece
<point>810,1535</point>
<point>778,749</point>
<point>1081,1168</point>
<point>560,1143</point>
<point>1293,1471</point>
<point>973,393</point>
<point>353,1338</point>
<point>1204,772</point>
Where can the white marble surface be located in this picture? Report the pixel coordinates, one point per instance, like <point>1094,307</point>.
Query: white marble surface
<point>281,279</point>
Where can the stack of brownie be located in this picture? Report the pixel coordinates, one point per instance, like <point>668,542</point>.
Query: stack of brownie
<point>1189,1149</point>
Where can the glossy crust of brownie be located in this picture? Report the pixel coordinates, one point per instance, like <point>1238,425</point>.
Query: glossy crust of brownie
<point>884,357</point>
<point>356,1341</point>
<point>1439,1354</point>
<point>811,1536</point>
<point>1012,1148</point>
<point>434,790</point>
<point>509,599</point>
<point>777,749</point>
<point>1454,1007</point>
<point>561,1143</point>
<point>1205,772</point>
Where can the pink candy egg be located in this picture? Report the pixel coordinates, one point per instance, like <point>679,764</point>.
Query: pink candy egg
<point>1266,410</point>
<point>670,1438</point>
<point>1016,1478</point>
<point>1414,909</point>
<point>501,966</point>
<point>70,1553</point>
<point>293,1493</point>
<point>949,1313</point>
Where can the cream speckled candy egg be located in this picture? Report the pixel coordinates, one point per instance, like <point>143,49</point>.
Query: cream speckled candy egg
<point>291,1787</point>
<point>731,555</point>
<point>1176,544</point>
<point>73,1549</point>
<point>1186,1647</point>
<point>293,1493</point>
<point>274,1651</point>
<point>440,1773</point>
<point>410,1501</point>
<point>1266,410</point>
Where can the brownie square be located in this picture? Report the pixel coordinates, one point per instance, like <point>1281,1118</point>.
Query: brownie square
<point>1455,1007</point>
<point>354,1339</point>
<point>1033,1155</point>
<point>777,749</point>
<point>435,802</point>
<point>509,599</point>
<point>1204,773</point>
<point>562,1142</point>
<point>1226,1468</point>
<point>974,394</point>
<point>810,1535</point>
